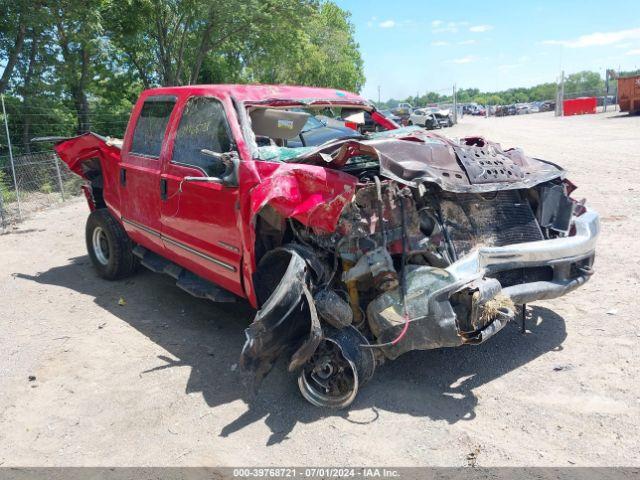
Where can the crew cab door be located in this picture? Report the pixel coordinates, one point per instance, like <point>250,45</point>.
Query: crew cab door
<point>199,218</point>
<point>139,172</point>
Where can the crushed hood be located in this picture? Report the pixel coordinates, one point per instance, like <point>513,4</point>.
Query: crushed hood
<point>413,156</point>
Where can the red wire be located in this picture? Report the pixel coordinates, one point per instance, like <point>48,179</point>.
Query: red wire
<point>404,329</point>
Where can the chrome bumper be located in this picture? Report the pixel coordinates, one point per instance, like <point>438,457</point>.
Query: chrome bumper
<point>432,292</point>
<point>487,260</point>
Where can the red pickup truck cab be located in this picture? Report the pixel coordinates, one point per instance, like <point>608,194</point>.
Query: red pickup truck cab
<point>352,247</point>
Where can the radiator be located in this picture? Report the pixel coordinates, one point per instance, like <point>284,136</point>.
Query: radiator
<point>490,219</point>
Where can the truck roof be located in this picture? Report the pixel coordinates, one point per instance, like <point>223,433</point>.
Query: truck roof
<point>257,93</point>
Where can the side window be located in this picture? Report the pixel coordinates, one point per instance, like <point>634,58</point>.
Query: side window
<point>203,126</point>
<point>151,125</point>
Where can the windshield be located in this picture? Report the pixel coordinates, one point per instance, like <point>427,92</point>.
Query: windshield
<point>312,123</point>
<point>309,126</point>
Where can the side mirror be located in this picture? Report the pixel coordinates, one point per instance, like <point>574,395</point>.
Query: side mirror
<point>225,168</point>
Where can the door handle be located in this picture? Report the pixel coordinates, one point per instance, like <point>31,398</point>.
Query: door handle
<point>163,188</point>
<point>123,177</point>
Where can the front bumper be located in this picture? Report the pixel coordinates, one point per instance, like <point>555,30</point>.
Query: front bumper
<point>436,297</point>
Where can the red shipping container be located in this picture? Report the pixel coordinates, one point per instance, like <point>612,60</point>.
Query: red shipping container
<point>579,106</point>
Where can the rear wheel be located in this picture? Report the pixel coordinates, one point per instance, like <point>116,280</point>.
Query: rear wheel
<point>109,246</point>
<point>332,376</point>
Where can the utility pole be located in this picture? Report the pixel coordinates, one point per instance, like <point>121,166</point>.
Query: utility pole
<point>455,105</point>
<point>606,88</point>
<point>13,167</point>
<point>560,97</point>
<point>378,94</point>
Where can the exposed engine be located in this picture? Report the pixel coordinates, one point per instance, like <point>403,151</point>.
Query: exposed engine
<point>391,234</point>
<point>435,249</point>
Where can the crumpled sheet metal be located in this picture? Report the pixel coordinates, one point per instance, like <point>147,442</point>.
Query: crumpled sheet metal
<point>312,195</point>
<point>415,156</point>
<point>279,323</point>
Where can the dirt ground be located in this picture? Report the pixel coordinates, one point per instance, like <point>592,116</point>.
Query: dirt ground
<point>154,381</point>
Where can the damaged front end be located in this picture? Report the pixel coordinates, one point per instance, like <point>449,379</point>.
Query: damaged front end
<point>439,243</point>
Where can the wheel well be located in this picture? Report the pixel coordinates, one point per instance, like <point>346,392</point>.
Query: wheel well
<point>272,231</point>
<point>92,171</point>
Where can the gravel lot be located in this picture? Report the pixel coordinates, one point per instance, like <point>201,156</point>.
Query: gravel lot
<point>153,382</point>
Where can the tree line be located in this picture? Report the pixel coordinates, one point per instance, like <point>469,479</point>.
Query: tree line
<point>581,83</point>
<point>71,66</point>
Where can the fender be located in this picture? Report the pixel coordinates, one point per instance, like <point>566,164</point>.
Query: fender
<point>94,158</point>
<point>313,195</point>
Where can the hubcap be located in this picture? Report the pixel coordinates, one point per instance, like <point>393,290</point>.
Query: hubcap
<point>101,245</point>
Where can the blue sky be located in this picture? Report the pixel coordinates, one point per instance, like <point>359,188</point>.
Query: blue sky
<point>411,46</point>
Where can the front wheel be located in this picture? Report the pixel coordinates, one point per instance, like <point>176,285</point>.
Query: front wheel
<point>109,246</point>
<point>340,365</point>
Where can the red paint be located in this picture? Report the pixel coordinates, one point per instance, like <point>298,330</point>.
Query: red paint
<point>216,220</point>
<point>77,150</point>
<point>579,106</point>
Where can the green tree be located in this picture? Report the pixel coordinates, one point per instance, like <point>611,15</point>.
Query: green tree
<point>323,52</point>
<point>584,83</point>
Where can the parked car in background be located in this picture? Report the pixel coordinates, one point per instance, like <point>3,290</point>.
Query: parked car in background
<point>547,106</point>
<point>443,115</point>
<point>402,111</point>
<point>522,108</point>
<point>424,118</point>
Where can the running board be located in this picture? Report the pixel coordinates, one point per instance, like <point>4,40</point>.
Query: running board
<point>186,280</point>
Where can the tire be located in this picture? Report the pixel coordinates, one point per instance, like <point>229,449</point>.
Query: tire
<point>409,123</point>
<point>109,246</point>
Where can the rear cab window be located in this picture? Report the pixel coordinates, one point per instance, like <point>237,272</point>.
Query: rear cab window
<point>152,125</point>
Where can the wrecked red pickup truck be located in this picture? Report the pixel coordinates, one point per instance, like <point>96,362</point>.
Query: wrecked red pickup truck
<point>353,248</point>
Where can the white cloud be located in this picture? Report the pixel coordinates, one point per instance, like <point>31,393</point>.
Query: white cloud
<point>449,27</point>
<point>634,53</point>
<point>387,24</point>
<point>463,60</point>
<point>439,43</point>
<point>597,39</point>
<point>481,28</point>
<point>468,42</point>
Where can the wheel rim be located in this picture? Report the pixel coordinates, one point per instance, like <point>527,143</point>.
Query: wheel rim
<point>329,378</point>
<point>101,245</point>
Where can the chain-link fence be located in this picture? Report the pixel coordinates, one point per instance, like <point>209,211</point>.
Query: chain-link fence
<point>32,177</point>
<point>34,182</point>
